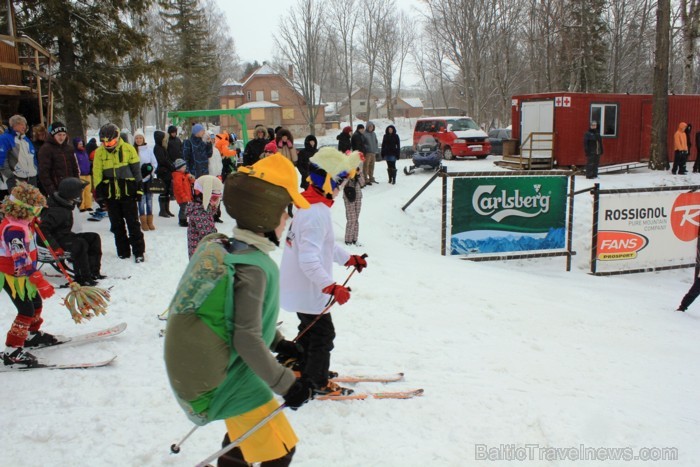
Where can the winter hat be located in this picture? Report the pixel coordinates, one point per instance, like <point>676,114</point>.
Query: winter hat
<point>329,167</point>
<point>197,128</point>
<point>360,126</point>
<point>25,201</point>
<point>257,195</point>
<point>206,185</point>
<point>271,147</point>
<point>77,141</point>
<point>172,129</point>
<point>347,129</point>
<point>179,163</point>
<point>140,133</point>
<point>57,127</point>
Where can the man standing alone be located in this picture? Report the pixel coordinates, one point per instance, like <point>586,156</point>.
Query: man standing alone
<point>593,147</point>
<point>372,146</point>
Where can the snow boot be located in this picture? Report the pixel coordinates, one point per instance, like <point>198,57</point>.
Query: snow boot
<point>38,338</point>
<point>333,389</point>
<point>18,356</point>
<point>144,223</point>
<point>149,219</point>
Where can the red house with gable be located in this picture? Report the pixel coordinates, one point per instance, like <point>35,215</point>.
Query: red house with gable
<point>624,120</point>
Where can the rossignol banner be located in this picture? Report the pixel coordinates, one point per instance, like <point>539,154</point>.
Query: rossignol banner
<point>645,231</point>
<point>508,214</point>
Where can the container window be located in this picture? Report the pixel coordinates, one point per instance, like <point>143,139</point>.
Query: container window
<point>606,117</point>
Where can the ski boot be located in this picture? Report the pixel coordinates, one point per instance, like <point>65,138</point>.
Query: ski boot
<point>333,389</point>
<point>19,356</point>
<point>40,338</point>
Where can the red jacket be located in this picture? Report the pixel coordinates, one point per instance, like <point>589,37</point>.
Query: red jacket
<point>182,187</point>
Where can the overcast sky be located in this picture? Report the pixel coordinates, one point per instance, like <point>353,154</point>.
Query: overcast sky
<point>253,24</point>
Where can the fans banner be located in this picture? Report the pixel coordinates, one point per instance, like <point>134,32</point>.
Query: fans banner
<point>508,214</point>
<point>642,231</point>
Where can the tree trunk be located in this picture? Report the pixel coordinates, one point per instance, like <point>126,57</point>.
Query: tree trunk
<point>659,115</point>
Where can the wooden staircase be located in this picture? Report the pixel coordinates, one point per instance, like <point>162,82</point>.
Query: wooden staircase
<point>536,153</point>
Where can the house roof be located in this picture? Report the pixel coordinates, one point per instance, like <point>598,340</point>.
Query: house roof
<point>257,105</point>
<point>232,82</point>
<point>413,102</point>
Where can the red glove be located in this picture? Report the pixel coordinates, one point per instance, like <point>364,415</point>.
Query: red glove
<point>340,294</point>
<point>359,262</point>
<point>59,252</point>
<point>45,288</point>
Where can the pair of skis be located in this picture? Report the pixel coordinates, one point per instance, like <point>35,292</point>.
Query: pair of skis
<point>63,341</point>
<point>391,378</point>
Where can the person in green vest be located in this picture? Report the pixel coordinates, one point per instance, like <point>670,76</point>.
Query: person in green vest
<point>221,327</point>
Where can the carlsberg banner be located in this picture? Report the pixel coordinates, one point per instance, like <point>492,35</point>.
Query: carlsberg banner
<point>508,214</point>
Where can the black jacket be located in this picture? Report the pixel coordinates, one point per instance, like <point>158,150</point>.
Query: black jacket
<point>305,154</point>
<point>253,150</point>
<point>358,142</point>
<point>391,144</point>
<point>344,143</point>
<point>165,165</point>
<point>592,143</point>
<point>174,149</point>
<point>57,221</point>
<point>56,162</point>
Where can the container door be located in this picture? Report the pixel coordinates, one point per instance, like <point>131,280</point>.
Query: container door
<point>537,117</point>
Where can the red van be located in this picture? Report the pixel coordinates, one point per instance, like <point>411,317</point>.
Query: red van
<point>458,136</point>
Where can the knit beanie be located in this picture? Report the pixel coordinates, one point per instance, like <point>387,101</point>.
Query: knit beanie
<point>329,167</point>
<point>57,127</point>
<point>271,147</point>
<point>197,128</point>
<point>179,163</point>
<point>257,195</point>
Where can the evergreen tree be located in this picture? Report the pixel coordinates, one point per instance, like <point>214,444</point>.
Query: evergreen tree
<point>191,52</point>
<point>90,39</point>
<point>584,47</point>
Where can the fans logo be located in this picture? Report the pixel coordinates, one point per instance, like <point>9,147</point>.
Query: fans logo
<point>685,216</point>
<point>616,245</point>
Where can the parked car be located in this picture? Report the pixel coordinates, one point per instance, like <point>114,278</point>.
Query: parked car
<point>496,137</point>
<point>458,136</point>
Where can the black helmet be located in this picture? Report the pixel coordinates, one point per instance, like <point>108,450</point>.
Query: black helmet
<point>71,188</point>
<point>109,136</point>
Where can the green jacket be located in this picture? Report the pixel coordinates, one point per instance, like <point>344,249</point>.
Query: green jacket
<point>117,174</point>
<point>221,326</point>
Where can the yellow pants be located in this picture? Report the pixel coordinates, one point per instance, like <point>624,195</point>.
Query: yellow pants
<point>271,441</point>
<point>87,193</point>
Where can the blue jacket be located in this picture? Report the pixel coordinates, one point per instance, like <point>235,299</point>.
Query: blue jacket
<point>197,153</point>
<point>9,154</point>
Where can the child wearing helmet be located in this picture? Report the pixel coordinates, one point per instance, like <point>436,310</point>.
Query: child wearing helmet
<point>85,248</point>
<point>222,321</point>
<point>19,276</point>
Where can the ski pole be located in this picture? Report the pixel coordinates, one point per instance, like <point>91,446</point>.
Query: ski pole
<point>175,448</point>
<point>330,303</point>
<point>53,253</point>
<point>241,438</point>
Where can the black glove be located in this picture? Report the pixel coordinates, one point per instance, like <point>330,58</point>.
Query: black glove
<point>298,394</point>
<point>289,349</point>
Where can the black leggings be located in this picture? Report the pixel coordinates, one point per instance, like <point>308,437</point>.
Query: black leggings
<point>317,343</point>
<point>24,307</point>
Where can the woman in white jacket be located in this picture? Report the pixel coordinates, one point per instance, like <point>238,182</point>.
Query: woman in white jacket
<point>149,164</point>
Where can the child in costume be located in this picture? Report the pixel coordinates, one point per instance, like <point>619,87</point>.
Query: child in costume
<point>201,211</point>
<point>19,276</point>
<point>306,271</point>
<point>222,321</point>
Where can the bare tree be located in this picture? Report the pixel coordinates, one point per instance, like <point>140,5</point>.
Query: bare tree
<point>658,159</point>
<point>690,32</point>
<point>302,44</point>
<point>374,14</point>
<point>344,20</point>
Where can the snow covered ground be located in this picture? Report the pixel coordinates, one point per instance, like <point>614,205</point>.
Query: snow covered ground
<point>510,354</point>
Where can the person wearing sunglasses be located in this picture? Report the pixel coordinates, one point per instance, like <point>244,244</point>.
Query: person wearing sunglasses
<point>116,174</point>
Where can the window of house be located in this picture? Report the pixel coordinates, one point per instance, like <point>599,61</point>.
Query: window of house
<point>259,95</point>
<point>287,114</point>
<point>248,96</point>
<point>274,95</point>
<point>363,103</point>
<point>606,117</point>
<point>257,114</point>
